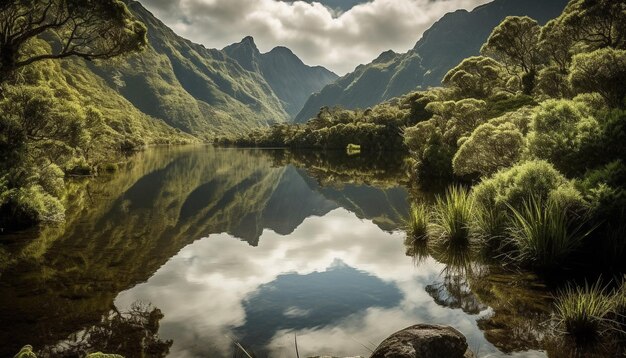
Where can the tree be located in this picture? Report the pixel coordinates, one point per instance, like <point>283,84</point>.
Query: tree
<point>556,42</point>
<point>90,29</point>
<point>489,149</point>
<point>514,43</point>
<point>602,71</point>
<point>597,23</point>
<point>477,77</point>
<point>553,82</point>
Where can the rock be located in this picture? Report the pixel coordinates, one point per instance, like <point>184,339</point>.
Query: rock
<point>424,341</point>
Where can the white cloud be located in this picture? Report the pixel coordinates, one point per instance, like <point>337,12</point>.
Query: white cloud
<point>314,32</point>
<point>202,290</point>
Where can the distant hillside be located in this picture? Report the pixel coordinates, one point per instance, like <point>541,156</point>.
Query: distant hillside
<point>290,79</point>
<point>455,36</point>
<point>197,90</point>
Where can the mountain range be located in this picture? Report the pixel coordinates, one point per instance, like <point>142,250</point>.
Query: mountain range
<point>177,88</point>
<point>454,37</point>
<point>290,79</point>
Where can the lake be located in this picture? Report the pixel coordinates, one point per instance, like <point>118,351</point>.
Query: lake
<point>205,252</point>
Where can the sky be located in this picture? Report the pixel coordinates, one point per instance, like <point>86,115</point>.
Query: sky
<point>339,35</point>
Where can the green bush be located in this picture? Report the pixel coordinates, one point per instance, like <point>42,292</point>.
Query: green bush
<point>513,186</point>
<point>563,133</point>
<point>489,225</point>
<point>489,149</point>
<point>26,206</point>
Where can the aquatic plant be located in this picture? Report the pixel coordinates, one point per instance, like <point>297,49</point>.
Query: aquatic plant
<point>453,215</point>
<point>418,222</point>
<point>582,310</point>
<point>543,234</point>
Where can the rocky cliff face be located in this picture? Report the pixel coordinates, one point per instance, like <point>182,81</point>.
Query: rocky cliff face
<point>291,80</point>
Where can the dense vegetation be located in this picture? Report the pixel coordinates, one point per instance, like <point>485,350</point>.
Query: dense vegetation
<point>374,130</point>
<point>73,102</point>
<point>535,127</point>
<point>56,118</point>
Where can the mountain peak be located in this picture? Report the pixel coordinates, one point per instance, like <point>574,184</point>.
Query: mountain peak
<point>385,56</point>
<point>282,50</point>
<point>248,40</point>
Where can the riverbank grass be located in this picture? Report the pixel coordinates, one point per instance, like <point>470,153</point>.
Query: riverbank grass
<point>418,222</point>
<point>543,235</point>
<point>453,215</point>
<point>582,310</point>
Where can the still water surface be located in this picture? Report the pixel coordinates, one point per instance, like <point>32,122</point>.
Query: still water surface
<point>210,248</point>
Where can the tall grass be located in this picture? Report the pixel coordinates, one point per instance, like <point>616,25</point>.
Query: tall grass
<point>453,215</point>
<point>582,311</point>
<point>489,224</point>
<point>418,222</point>
<point>619,307</point>
<point>543,235</point>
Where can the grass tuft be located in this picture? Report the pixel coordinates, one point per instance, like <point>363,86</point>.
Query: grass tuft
<point>418,222</point>
<point>543,235</point>
<point>489,225</point>
<point>582,311</point>
<point>453,215</point>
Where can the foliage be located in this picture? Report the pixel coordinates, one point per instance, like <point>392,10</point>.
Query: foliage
<point>91,29</point>
<point>582,311</point>
<point>489,149</point>
<point>513,186</point>
<point>418,222</point>
<point>515,43</point>
<point>476,77</point>
<point>565,134</point>
<point>543,234</point>
<point>596,24</point>
<point>453,215</point>
<point>375,129</point>
<point>553,83</point>
<point>602,71</point>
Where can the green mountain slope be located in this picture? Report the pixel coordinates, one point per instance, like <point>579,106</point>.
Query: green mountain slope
<point>290,79</point>
<point>454,37</point>
<point>197,90</point>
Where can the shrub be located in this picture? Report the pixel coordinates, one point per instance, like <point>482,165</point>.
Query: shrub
<point>489,149</point>
<point>582,311</point>
<point>29,205</point>
<point>453,215</point>
<point>513,186</point>
<point>602,71</point>
<point>543,234</point>
<point>563,133</point>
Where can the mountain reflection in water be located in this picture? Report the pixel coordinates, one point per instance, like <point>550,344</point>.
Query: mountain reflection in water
<point>252,246</point>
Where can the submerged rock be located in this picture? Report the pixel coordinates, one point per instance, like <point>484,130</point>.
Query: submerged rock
<point>424,341</point>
